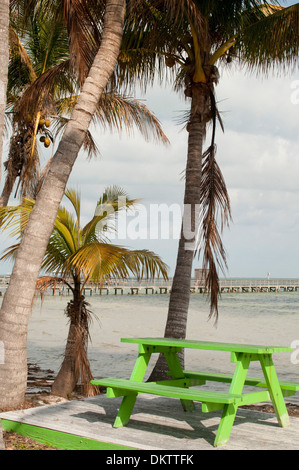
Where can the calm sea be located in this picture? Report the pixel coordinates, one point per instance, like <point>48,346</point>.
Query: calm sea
<point>255,318</point>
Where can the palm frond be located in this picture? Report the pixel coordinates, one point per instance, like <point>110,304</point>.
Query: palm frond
<point>60,248</point>
<point>145,264</point>
<point>111,194</point>
<point>15,218</point>
<point>90,146</point>
<point>56,256</point>
<point>215,203</point>
<point>67,228</point>
<point>43,90</point>
<point>116,112</point>
<point>63,243</point>
<point>83,21</point>
<point>271,42</point>
<point>98,260</point>
<point>146,43</point>
<point>59,123</point>
<point>113,200</point>
<point>75,199</point>
<point>44,283</point>
<point>10,253</point>
<point>66,105</point>
<point>18,52</point>
<point>121,112</point>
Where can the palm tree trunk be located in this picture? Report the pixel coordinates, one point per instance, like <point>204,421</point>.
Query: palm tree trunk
<point>17,303</point>
<point>176,323</point>
<point>75,368</point>
<point>67,377</point>
<point>4,57</point>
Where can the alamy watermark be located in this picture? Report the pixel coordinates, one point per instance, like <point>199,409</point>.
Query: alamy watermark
<point>157,221</point>
<point>295,94</point>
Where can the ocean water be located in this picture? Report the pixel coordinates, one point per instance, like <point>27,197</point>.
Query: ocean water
<point>255,318</point>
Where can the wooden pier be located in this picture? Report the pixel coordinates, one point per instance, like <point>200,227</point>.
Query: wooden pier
<point>259,285</point>
<point>160,286</point>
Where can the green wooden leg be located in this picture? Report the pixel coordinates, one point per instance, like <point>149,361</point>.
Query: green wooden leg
<point>140,366</point>
<point>188,405</point>
<point>125,411</point>
<point>128,402</point>
<point>226,424</point>
<point>229,411</point>
<point>275,390</point>
<point>176,372</point>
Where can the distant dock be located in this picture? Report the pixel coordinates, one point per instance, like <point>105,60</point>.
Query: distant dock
<point>160,286</point>
<point>259,285</point>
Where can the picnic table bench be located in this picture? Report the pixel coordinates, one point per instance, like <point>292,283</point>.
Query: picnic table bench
<point>178,386</point>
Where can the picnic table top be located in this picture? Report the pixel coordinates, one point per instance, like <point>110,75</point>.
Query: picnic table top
<point>209,345</point>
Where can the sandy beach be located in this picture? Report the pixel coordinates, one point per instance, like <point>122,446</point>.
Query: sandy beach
<point>243,318</point>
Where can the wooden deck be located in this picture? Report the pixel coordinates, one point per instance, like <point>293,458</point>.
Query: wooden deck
<point>156,424</point>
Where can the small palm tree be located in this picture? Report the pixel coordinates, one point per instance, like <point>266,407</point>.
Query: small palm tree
<point>79,254</point>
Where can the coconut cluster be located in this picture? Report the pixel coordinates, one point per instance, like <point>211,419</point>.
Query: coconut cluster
<point>45,138</point>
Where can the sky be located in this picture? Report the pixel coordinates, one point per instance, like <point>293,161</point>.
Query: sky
<point>258,154</point>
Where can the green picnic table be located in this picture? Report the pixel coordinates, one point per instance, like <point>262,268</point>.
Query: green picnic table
<point>180,381</point>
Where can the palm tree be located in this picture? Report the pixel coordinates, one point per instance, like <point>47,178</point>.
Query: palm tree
<point>81,254</point>
<point>95,65</point>
<point>255,34</point>
<point>38,49</point>
<point>17,302</point>
<point>4,57</point>
<point>41,86</point>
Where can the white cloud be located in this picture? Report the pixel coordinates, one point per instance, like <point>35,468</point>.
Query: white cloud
<point>259,105</point>
<point>259,157</point>
<point>259,161</point>
<point>135,164</point>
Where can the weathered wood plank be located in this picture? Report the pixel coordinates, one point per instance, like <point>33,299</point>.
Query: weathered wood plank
<point>207,345</point>
<point>167,391</point>
<point>160,424</point>
<point>227,378</point>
